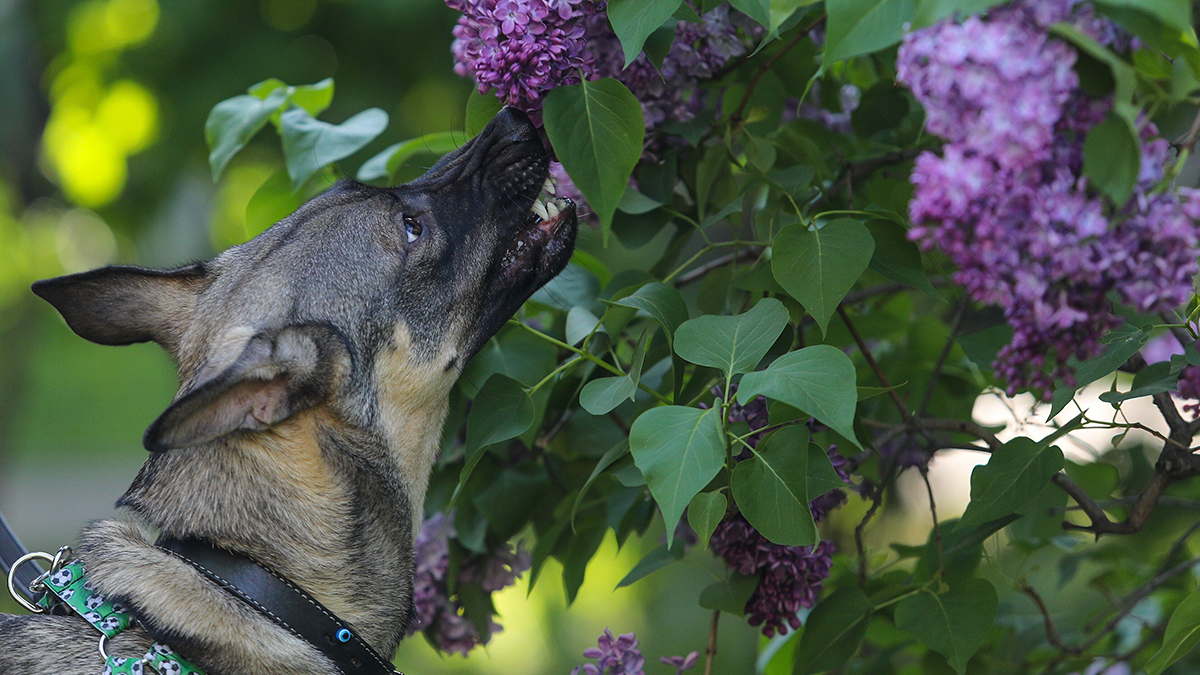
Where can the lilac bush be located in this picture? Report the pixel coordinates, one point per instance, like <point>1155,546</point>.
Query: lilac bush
<point>435,609</point>
<point>1006,199</point>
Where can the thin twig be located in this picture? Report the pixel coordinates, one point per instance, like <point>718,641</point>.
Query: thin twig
<point>1052,633</point>
<point>711,651</point>
<point>941,361</point>
<point>701,271</point>
<point>862,348</point>
<point>937,530</point>
<point>737,117</point>
<point>1188,140</point>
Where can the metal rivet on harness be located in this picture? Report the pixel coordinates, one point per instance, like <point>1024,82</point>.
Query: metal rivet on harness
<point>343,635</point>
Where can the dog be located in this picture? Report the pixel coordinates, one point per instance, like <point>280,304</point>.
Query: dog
<point>315,364</point>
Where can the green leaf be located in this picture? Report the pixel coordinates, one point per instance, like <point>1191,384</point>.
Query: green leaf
<point>817,267</point>
<point>733,344</point>
<point>597,130</point>
<point>1013,477</point>
<point>1173,13</point>
<point>662,302</point>
<point>729,596</point>
<point>771,489</point>
<point>833,631</point>
<point>759,10</point>
<point>481,108</point>
<point>896,256</point>
<point>821,475</point>
<point>818,380</point>
<point>863,26</point>
<point>614,453</point>
<point>704,514</point>
<point>953,623</point>
<point>636,203</point>
<point>233,122</point>
<point>961,547</point>
<point>1123,342</point>
<point>634,20</point>
<point>310,144</point>
<point>501,411</point>
<point>601,395</point>
<point>385,163</point>
<point>679,450</point>
<point>652,562</point>
<point>1183,632</point>
<point>931,11</point>
<point>580,324</point>
<point>1153,379</point>
<point>314,98</point>
<point>1112,156</point>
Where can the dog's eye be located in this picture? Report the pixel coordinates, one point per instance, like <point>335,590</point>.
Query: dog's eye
<point>412,228</point>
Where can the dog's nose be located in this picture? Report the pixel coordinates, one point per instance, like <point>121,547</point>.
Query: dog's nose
<point>513,126</point>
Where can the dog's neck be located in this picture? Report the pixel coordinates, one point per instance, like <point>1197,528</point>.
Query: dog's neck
<point>332,507</point>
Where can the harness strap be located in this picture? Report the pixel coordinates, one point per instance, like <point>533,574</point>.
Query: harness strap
<point>284,603</point>
<point>70,586</point>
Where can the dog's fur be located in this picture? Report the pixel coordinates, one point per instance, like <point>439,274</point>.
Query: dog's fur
<point>315,363</point>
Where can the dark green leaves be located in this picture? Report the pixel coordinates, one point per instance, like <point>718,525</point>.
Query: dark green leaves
<point>634,20</point>
<point>679,450</point>
<point>705,513</point>
<point>662,302</point>
<point>818,380</point>
<point>953,623</point>
<point>603,394</point>
<point>1112,157</point>
<point>233,122</point>
<point>1183,632</point>
<point>930,11</point>
<point>833,631</point>
<point>734,344</point>
<point>596,129</point>
<point>771,489</point>
<point>1013,477</point>
<point>817,267</point>
<point>310,144</point>
<point>863,26</point>
<point>502,410</point>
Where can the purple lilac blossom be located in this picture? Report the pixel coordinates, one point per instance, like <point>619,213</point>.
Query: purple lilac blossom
<point>521,48</point>
<point>1007,200</point>
<point>681,663</point>
<point>614,656</point>
<point>789,577</point>
<point>434,609</point>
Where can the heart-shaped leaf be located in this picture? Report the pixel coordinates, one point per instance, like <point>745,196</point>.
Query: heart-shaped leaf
<point>863,26</point>
<point>771,489</point>
<point>501,411</point>
<point>310,144</point>
<point>597,129</point>
<point>384,164</point>
<point>817,267</point>
<point>733,344</point>
<point>953,623</point>
<point>634,20</point>
<point>833,631</point>
<point>1015,474</point>
<point>818,380</point>
<point>679,450</point>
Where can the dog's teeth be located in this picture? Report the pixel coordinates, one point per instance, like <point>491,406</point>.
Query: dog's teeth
<point>539,209</point>
<point>548,187</point>
<point>552,208</point>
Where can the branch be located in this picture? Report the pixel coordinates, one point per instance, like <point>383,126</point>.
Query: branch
<point>1100,524</point>
<point>862,347</point>
<point>701,271</point>
<point>1188,140</point>
<point>1052,633</point>
<point>737,117</point>
<point>711,651</point>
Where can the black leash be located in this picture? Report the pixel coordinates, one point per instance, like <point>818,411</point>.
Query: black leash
<point>283,602</point>
<point>11,550</point>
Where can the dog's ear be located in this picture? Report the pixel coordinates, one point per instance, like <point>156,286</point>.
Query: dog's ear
<point>278,374</point>
<point>120,305</point>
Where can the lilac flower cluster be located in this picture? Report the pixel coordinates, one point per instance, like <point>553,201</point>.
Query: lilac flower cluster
<point>621,656</point>
<point>698,52</point>
<point>435,609</point>
<point>522,48</point>
<point>789,577</point>
<point>1008,203</point>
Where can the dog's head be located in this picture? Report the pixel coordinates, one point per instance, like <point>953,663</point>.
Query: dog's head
<point>357,282</point>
